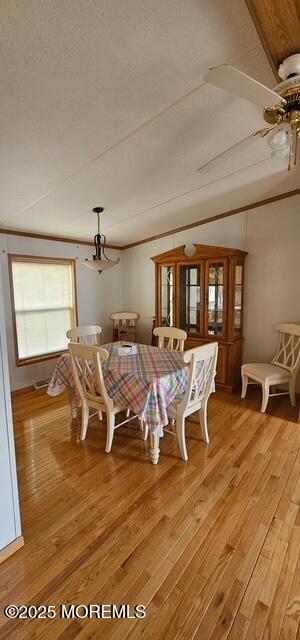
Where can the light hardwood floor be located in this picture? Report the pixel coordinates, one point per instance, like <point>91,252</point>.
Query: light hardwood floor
<point>211,547</point>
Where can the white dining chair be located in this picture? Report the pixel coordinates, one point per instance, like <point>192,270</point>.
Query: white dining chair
<point>88,334</point>
<point>170,338</point>
<point>203,363</point>
<point>124,326</point>
<point>91,388</point>
<point>124,318</point>
<point>283,368</point>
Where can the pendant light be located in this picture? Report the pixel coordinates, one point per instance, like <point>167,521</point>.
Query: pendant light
<point>100,261</point>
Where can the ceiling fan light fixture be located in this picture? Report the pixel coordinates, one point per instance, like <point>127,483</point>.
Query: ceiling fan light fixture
<point>100,262</point>
<point>281,109</point>
<point>281,154</point>
<point>280,139</point>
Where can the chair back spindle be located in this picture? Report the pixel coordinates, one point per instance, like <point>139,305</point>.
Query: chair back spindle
<point>88,335</point>
<point>170,338</point>
<point>202,373</point>
<point>287,353</point>
<point>90,384</point>
<point>124,318</point>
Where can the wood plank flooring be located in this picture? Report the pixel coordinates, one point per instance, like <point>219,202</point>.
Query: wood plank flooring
<point>210,547</point>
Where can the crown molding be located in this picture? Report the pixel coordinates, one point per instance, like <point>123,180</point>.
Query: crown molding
<point>219,216</point>
<point>198,223</point>
<point>40,236</point>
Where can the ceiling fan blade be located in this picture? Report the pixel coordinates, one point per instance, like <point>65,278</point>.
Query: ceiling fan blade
<point>230,151</point>
<point>231,79</point>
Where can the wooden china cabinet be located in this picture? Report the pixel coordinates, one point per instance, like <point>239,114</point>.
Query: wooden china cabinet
<point>203,294</point>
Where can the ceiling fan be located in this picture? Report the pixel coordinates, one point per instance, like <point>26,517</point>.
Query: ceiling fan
<point>282,112</point>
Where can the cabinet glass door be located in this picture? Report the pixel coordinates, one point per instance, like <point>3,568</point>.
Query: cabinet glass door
<point>238,299</point>
<point>189,298</point>
<point>215,309</point>
<point>167,296</point>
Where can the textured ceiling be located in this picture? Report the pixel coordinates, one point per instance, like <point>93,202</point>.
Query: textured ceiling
<point>103,103</point>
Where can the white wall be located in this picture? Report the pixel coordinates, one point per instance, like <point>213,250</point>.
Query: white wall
<point>273,275</point>
<point>271,235</point>
<point>97,295</point>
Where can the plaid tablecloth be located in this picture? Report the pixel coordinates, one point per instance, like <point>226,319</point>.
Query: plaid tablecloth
<point>146,382</point>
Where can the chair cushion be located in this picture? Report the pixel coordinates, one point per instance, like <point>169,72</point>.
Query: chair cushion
<point>262,371</point>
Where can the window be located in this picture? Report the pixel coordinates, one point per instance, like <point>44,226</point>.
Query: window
<point>43,296</point>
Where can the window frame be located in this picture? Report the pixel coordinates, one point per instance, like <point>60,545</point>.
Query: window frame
<point>20,362</point>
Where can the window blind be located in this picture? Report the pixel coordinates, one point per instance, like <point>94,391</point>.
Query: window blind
<point>44,306</point>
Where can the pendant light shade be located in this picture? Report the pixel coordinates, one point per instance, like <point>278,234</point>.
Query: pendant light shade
<point>100,261</point>
<point>100,265</point>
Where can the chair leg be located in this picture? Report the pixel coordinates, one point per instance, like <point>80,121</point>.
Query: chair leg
<point>73,404</point>
<point>244,385</point>
<point>144,428</point>
<point>127,413</point>
<point>180,429</point>
<point>145,431</point>
<point>265,396</point>
<point>110,419</point>
<point>203,423</point>
<point>84,420</point>
<point>292,391</point>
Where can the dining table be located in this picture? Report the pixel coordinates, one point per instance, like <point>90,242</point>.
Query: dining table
<point>146,382</point>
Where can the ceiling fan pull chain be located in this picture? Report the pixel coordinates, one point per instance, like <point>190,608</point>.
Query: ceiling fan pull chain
<point>294,144</point>
<point>290,158</point>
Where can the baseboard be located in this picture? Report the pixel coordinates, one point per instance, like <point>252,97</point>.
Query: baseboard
<point>11,548</point>
<point>226,388</point>
<point>18,392</point>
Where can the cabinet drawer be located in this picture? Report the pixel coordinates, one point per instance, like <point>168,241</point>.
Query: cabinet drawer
<point>191,343</point>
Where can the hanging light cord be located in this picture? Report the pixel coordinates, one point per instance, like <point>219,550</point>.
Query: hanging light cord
<point>100,242</point>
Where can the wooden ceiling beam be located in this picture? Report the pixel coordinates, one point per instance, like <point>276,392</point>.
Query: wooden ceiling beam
<point>277,23</point>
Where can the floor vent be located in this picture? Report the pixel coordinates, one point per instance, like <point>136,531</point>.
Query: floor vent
<point>40,384</point>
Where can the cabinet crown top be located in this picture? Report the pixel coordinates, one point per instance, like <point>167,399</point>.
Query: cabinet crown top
<point>202,251</point>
